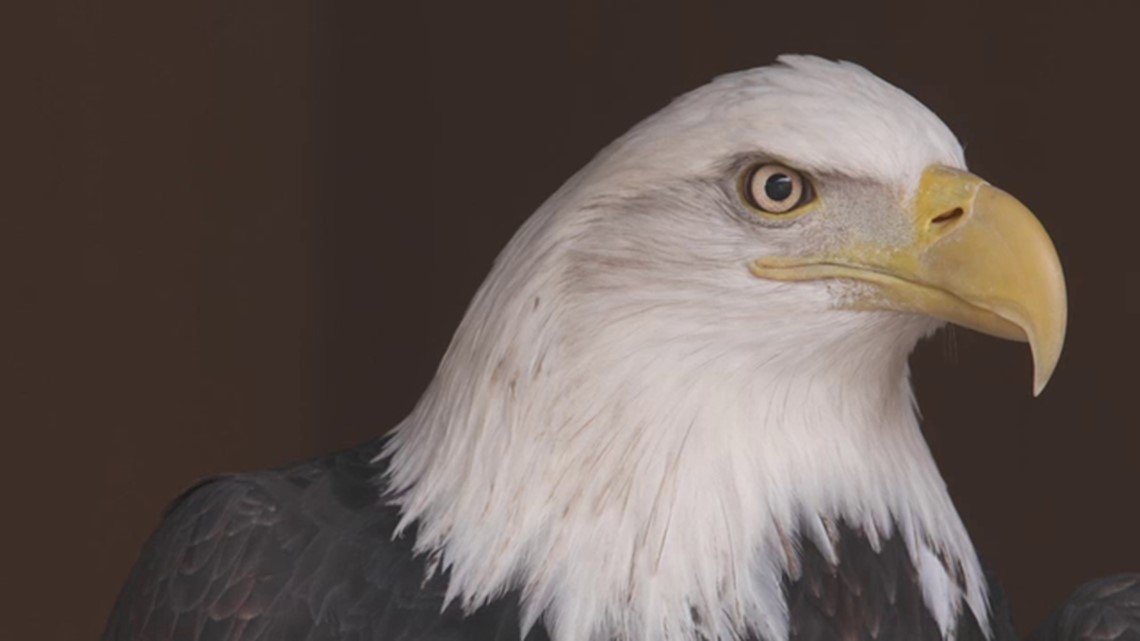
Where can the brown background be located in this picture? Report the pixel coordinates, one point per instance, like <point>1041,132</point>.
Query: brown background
<point>242,233</point>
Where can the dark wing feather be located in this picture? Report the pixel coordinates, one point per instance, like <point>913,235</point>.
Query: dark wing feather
<point>302,554</point>
<point>1103,610</point>
<point>872,594</point>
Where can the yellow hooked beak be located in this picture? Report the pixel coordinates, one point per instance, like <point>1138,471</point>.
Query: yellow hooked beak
<point>977,258</point>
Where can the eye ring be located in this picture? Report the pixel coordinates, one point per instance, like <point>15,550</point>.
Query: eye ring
<point>776,189</point>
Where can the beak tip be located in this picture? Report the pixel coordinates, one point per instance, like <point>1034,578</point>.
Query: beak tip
<point>1043,367</point>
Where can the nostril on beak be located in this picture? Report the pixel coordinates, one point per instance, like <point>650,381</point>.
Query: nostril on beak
<point>950,216</point>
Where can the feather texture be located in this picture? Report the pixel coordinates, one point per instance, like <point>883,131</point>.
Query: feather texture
<point>308,552</point>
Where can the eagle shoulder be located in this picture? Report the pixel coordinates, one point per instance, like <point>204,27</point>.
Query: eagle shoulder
<point>306,552</point>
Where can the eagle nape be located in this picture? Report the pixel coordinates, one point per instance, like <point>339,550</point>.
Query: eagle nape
<point>678,408</point>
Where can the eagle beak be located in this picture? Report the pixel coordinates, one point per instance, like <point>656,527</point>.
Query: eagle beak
<point>976,257</point>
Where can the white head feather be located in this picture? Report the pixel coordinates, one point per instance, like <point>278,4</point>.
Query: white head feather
<point>628,426</point>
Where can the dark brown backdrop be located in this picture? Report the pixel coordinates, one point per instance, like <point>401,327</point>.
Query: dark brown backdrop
<point>243,232</point>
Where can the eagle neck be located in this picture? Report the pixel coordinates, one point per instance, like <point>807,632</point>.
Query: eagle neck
<point>651,491</point>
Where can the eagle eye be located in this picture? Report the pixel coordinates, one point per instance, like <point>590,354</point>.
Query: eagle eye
<point>776,189</point>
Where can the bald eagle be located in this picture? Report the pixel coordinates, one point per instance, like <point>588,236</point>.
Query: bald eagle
<point>678,408</point>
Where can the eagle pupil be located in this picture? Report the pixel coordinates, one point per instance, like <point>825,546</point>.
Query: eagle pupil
<point>778,187</point>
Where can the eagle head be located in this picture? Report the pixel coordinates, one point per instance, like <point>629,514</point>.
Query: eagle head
<point>694,355</point>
